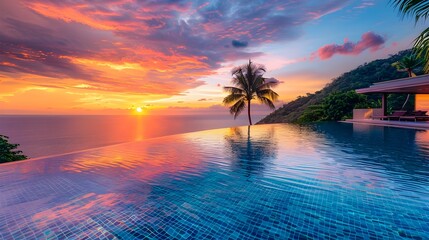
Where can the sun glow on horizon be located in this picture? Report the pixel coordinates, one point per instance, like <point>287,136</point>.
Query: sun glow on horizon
<point>171,58</point>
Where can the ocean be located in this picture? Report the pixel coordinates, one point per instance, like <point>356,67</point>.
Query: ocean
<point>46,135</point>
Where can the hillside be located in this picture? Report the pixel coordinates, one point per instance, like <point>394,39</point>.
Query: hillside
<point>361,77</point>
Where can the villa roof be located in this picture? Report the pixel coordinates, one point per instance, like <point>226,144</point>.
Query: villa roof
<point>419,84</point>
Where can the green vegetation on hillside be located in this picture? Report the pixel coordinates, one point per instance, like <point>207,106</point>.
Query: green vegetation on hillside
<point>337,99</point>
<point>8,152</point>
<point>336,106</point>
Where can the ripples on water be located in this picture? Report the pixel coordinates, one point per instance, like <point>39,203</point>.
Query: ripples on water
<point>281,181</point>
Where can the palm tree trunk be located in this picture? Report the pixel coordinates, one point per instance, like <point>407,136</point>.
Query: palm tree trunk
<point>248,112</point>
<point>406,100</point>
<point>410,74</point>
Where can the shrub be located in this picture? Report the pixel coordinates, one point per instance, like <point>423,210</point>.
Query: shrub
<point>8,152</point>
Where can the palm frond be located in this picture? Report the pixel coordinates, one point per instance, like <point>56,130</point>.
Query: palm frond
<point>234,90</point>
<point>233,98</point>
<point>237,108</point>
<point>421,48</point>
<point>407,64</point>
<point>268,83</point>
<point>398,65</point>
<point>418,8</point>
<point>256,69</point>
<point>240,81</point>
<point>259,80</point>
<point>267,93</point>
<point>266,101</point>
<point>260,69</point>
<point>250,77</point>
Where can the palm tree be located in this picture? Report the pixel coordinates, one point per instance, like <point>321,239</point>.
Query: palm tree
<point>407,64</point>
<point>420,9</point>
<point>249,83</point>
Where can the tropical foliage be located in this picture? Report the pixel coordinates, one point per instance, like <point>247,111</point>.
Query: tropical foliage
<point>420,10</point>
<point>249,83</point>
<point>8,152</point>
<point>407,64</point>
<point>336,106</point>
<point>361,77</point>
<point>313,113</point>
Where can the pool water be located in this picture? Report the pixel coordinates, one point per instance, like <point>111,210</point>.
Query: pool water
<point>325,181</point>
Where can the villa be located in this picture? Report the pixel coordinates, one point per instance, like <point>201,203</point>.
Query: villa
<point>378,116</point>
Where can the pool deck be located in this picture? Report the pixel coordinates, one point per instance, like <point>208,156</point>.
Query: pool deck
<point>386,123</point>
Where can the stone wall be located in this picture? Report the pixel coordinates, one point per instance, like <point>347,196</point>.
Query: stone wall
<point>367,113</point>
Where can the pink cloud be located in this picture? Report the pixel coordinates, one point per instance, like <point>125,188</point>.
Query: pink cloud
<point>369,40</point>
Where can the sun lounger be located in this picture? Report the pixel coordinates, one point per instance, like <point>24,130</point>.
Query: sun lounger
<point>394,116</point>
<point>415,116</point>
<point>407,118</point>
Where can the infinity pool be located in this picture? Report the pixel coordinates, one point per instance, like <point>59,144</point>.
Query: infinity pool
<point>323,181</point>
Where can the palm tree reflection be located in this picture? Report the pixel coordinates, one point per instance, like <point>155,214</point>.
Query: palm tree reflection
<point>250,154</point>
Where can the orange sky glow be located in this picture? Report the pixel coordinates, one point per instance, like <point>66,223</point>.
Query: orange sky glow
<point>173,58</point>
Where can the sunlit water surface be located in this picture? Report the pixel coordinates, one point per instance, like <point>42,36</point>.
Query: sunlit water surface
<point>49,135</point>
<point>266,182</point>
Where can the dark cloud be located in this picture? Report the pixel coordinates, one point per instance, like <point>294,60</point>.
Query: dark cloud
<point>239,44</point>
<point>368,40</point>
<point>273,80</point>
<point>41,50</point>
<point>22,59</point>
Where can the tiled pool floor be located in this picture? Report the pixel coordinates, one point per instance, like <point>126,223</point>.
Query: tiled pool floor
<point>332,181</point>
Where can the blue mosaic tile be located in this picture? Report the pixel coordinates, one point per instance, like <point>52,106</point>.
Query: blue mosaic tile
<point>327,181</point>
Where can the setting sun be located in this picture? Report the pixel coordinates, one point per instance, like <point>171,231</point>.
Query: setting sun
<point>135,118</point>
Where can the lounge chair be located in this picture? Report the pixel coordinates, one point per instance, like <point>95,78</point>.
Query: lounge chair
<point>415,116</point>
<point>394,116</point>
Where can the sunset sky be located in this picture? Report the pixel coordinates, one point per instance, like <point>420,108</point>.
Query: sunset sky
<point>174,56</point>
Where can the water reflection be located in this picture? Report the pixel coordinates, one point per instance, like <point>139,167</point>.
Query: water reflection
<point>389,152</point>
<point>251,153</point>
<point>263,181</point>
<point>72,133</point>
<point>106,183</point>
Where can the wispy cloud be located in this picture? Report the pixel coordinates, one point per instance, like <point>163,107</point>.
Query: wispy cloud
<point>365,4</point>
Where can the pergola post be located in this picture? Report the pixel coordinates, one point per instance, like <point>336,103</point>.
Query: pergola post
<point>384,104</point>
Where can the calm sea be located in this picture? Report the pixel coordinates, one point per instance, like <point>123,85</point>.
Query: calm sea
<point>49,135</point>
